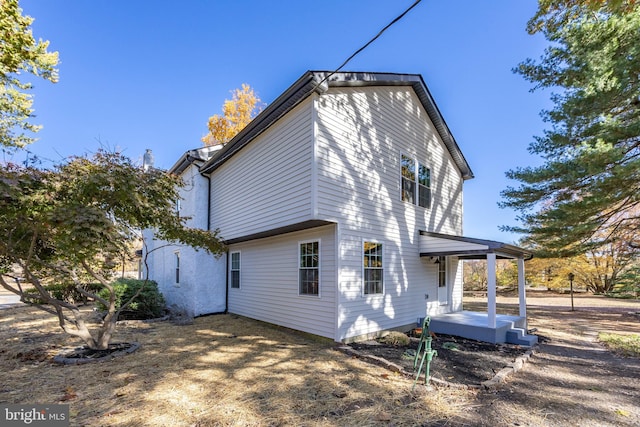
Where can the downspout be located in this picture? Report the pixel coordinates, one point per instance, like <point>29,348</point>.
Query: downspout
<point>226,281</point>
<point>226,285</point>
<point>208,201</point>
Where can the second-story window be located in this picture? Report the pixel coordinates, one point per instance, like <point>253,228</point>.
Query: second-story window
<point>408,167</point>
<point>424,186</point>
<point>416,182</point>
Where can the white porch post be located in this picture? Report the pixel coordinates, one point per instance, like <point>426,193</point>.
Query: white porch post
<point>522,303</point>
<point>491,289</point>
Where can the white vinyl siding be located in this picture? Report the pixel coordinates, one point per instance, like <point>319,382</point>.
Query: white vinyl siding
<point>362,133</point>
<point>270,283</point>
<point>268,183</point>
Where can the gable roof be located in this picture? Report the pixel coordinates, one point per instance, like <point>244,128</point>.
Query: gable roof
<point>310,82</point>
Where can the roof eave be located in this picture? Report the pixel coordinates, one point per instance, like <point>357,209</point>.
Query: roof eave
<point>309,82</point>
<point>499,248</point>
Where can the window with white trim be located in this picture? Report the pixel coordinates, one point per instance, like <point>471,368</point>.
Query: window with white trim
<point>373,271</point>
<point>309,268</point>
<point>408,167</point>
<point>442,272</point>
<point>177,260</point>
<point>235,270</point>
<point>416,182</point>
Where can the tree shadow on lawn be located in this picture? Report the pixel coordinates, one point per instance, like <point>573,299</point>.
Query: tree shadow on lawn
<point>573,379</point>
<point>570,382</point>
<point>221,370</point>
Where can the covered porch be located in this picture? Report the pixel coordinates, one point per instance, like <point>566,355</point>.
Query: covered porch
<point>490,326</point>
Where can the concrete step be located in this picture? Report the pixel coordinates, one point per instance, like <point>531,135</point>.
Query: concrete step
<point>518,336</point>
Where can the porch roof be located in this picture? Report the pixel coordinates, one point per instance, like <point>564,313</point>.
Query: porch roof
<point>438,244</point>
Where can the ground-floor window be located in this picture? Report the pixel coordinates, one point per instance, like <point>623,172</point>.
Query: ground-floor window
<point>235,270</point>
<point>442,272</point>
<point>309,268</point>
<point>373,268</point>
<point>177,261</point>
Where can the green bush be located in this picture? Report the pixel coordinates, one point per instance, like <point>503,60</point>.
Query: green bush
<point>149,303</point>
<point>64,292</point>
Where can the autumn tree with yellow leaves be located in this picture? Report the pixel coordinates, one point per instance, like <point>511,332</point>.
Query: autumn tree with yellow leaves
<point>236,114</point>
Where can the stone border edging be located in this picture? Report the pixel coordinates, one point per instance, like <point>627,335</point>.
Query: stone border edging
<point>512,367</point>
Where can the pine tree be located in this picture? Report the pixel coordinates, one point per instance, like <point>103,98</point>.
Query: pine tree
<point>587,191</point>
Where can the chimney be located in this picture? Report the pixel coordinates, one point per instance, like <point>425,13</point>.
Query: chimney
<point>147,160</point>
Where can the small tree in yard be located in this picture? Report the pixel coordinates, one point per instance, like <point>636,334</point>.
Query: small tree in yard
<point>20,55</point>
<point>73,221</point>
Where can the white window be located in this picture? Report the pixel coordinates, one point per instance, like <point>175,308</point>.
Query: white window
<point>309,268</point>
<point>235,270</point>
<point>424,186</point>
<point>416,182</point>
<point>373,271</point>
<point>177,260</point>
<point>442,272</point>
<point>408,167</point>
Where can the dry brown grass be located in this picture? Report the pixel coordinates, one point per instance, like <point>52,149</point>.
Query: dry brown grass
<point>220,371</point>
<point>230,371</point>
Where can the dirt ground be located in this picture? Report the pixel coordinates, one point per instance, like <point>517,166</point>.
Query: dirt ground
<point>229,371</point>
<point>573,380</point>
<point>458,360</point>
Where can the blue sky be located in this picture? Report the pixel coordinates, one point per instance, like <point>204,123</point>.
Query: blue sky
<point>148,74</point>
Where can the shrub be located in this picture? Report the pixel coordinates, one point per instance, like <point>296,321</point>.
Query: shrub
<point>64,292</point>
<point>149,303</point>
<point>395,338</point>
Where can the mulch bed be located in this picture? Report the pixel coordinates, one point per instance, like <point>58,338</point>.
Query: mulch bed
<point>459,360</point>
<point>84,354</point>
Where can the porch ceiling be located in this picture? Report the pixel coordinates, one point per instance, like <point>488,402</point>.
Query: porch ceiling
<point>438,244</point>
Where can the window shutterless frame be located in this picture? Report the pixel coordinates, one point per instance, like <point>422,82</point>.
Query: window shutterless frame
<point>234,270</point>
<point>415,185</point>
<point>309,268</point>
<point>177,261</point>
<point>372,268</point>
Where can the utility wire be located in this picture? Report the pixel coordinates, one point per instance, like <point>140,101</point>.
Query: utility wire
<point>399,17</point>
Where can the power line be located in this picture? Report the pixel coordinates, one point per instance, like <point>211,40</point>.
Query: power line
<point>399,17</point>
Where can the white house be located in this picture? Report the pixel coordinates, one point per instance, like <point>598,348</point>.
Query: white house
<point>191,280</point>
<point>341,206</point>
